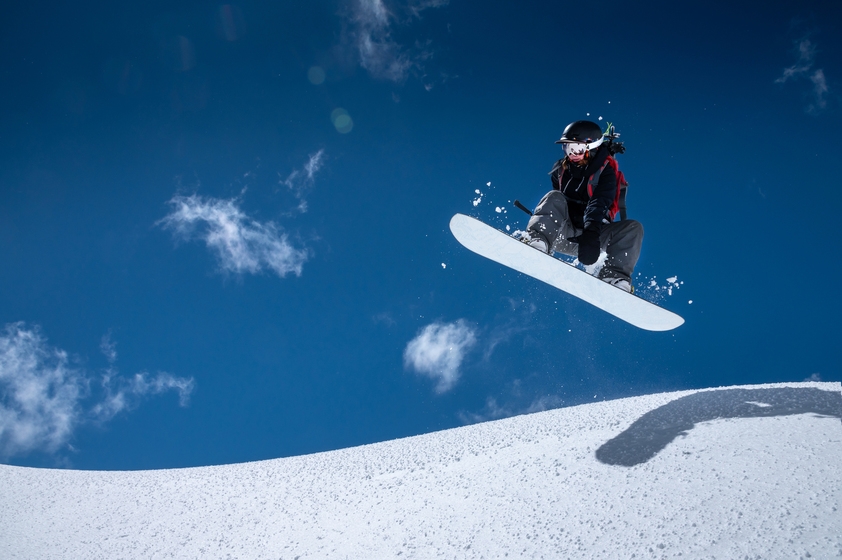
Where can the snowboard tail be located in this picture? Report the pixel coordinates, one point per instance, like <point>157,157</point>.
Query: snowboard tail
<point>500,247</point>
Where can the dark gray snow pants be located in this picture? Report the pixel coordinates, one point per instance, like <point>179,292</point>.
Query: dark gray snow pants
<point>620,240</point>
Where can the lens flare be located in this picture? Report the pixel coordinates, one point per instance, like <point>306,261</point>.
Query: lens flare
<point>316,75</point>
<point>342,120</point>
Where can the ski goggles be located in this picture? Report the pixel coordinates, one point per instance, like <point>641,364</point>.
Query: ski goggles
<point>574,149</point>
<point>579,149</point>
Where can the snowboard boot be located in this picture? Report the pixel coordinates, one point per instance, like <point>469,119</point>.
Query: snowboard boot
<point>534,240</point>
<point>621,283</point>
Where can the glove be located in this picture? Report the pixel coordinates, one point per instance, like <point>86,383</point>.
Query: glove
<point>589,246</point>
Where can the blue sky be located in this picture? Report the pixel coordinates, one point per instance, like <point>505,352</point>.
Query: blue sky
<point>224,227</point>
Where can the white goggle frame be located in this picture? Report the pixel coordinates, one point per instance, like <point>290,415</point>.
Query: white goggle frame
<point>579,148</point>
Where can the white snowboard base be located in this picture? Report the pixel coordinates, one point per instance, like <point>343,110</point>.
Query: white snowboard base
<point>504,249</point>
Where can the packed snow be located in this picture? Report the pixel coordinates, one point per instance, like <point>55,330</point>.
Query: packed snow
<point>737,472</point>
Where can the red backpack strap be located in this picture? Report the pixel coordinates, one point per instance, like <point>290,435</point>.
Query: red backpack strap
<point>622,185</point>
<point>619,204</point>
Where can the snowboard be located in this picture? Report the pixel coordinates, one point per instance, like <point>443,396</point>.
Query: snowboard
<point>500,247</point>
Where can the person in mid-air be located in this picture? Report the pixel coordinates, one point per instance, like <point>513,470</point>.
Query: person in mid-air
<point>576,217</point>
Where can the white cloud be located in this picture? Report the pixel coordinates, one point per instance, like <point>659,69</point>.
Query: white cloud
<point>371,24</point>
<point>42,398</point>
<point>40,393</point>
<point>301,181</point>
<point>438,350</point>
<point>804,68</point>
<point>378,52</point>
<point>240,243</point>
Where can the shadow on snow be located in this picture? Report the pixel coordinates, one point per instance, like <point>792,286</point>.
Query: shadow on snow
<point>653,431</point>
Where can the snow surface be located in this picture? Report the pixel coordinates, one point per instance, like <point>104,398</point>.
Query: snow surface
<point>736,472</point>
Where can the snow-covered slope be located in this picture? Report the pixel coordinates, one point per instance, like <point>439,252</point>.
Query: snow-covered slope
<point>749,472</point>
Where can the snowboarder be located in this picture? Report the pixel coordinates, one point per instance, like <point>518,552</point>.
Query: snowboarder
<point>576,217</point>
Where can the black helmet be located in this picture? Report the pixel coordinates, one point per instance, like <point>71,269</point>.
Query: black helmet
<point>582,132</point>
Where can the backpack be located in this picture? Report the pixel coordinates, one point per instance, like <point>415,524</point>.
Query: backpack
<point>619,204</point>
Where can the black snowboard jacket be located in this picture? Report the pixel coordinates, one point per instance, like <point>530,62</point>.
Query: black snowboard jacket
<point>586,211</point>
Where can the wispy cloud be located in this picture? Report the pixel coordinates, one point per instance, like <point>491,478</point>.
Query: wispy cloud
<point>371,24</point>
<point>438,351</point>
<point>43,399</point>
<point>300,181</point>
<point>504,332</point>
<point>494,411</point>
<point>241,244</point>
<point>123,394</point>
<point>804,68</point>
<point>806,55</point>
<point>415,7</point>
<point>108,348</point>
